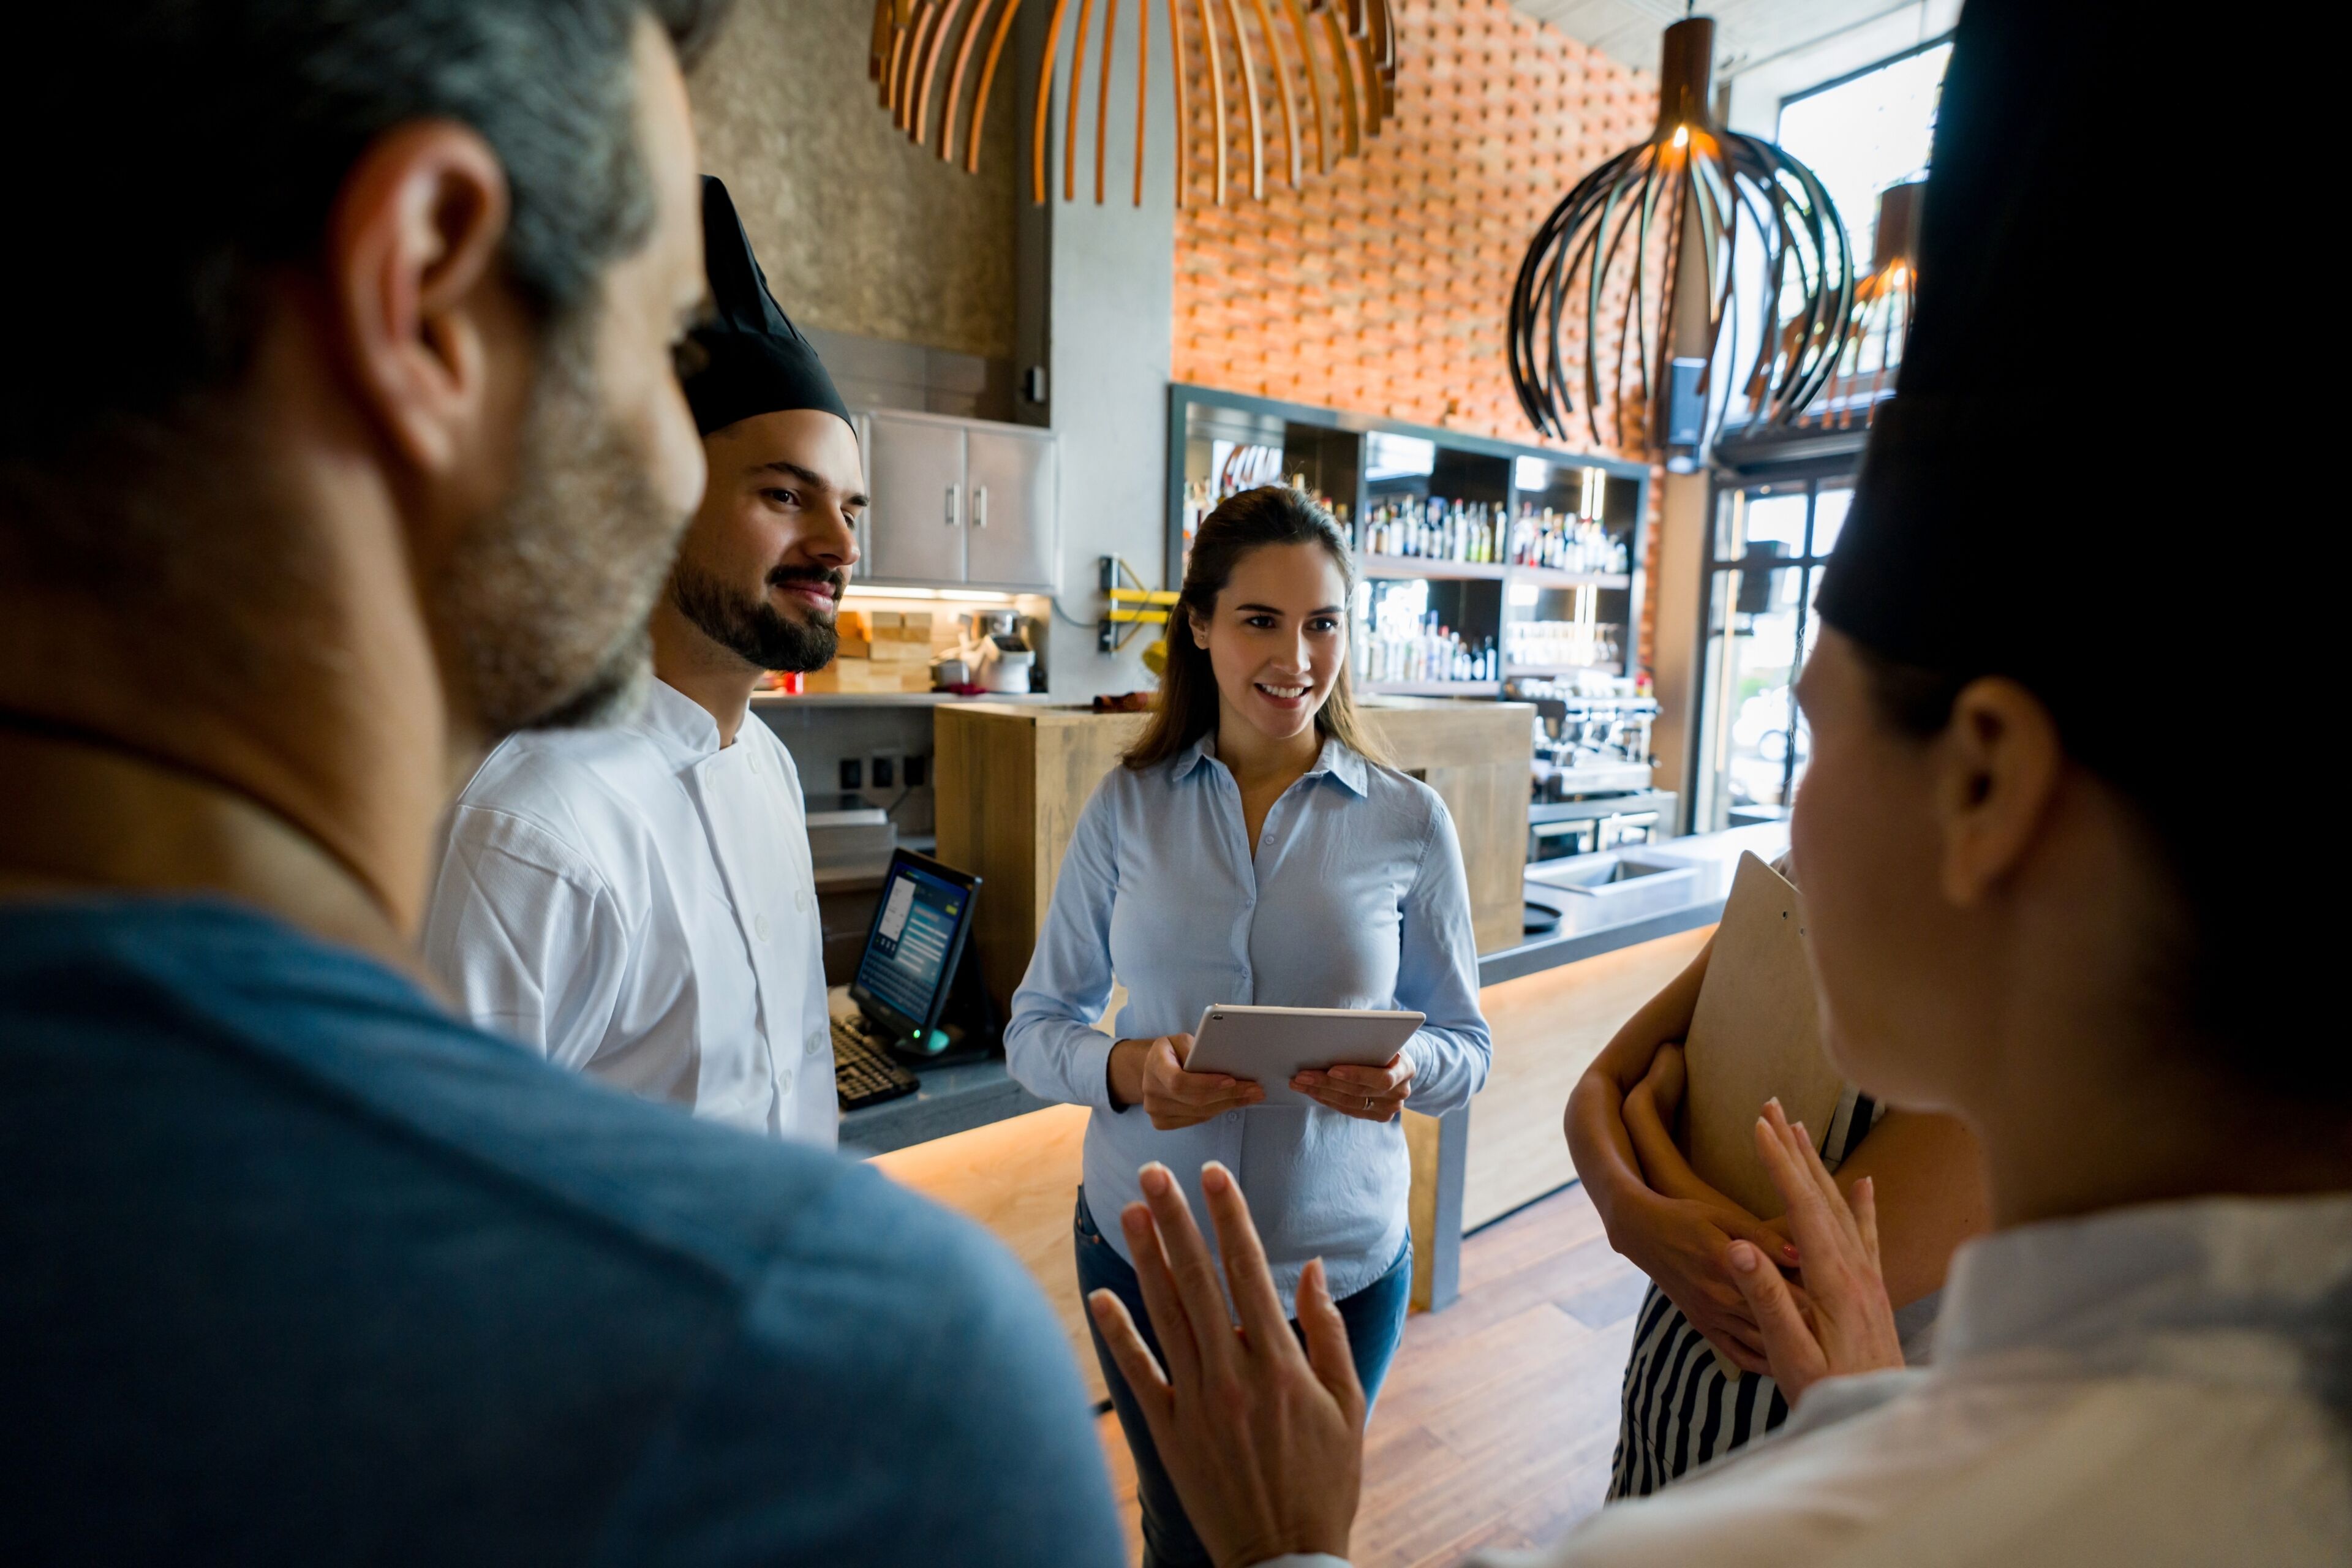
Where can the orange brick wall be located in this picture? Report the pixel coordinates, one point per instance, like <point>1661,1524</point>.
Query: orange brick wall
<point>1384,287</point>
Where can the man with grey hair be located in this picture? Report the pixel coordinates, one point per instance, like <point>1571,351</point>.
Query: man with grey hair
<point>343,437</point>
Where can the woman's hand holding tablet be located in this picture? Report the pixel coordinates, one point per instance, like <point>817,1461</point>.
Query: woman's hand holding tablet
<point>1348,1060</point>
<point>1151,1073</point>
<point>1366,1093</point>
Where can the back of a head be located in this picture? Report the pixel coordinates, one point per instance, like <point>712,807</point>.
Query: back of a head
<point>177,159</point>
<point>2037,503</point>
<point>179,149</point>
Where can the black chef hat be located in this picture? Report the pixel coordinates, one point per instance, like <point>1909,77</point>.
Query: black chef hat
<point>753,359</point>
<point>2033,502</point>
<point>2082,481</point>
<point>1979,522</point>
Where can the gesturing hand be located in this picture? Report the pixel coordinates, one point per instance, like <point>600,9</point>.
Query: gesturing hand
<point>1846,1324</point>
<point>1151,1073</point>
<point>1368,1094</point>
<point>1265,1441</point>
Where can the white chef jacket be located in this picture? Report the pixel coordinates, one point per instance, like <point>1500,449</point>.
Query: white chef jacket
<point>2160,1385</point>
<point>637,902</point>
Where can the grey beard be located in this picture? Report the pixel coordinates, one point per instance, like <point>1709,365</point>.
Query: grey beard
<point>546,598</point>
<point>614,695</point>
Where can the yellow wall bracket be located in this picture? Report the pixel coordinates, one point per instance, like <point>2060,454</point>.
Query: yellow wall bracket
<point>1130,607</point>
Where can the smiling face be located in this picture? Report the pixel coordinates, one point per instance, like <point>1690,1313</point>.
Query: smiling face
<point>769,553</point>
<point>1278,639</point>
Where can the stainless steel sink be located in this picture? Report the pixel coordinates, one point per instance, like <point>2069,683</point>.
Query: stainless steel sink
<point>1610,878</point>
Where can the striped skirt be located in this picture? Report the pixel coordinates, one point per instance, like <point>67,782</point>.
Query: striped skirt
<point>1682,1406</point>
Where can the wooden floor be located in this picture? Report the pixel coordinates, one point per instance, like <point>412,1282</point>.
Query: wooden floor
<point>1496,1424</point>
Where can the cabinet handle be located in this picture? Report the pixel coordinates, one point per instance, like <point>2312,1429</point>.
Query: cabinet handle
<point>980,506</point>
<point>951,504</point>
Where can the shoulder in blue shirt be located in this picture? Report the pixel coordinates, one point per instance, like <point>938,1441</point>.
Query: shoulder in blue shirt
<point>301,1270</point>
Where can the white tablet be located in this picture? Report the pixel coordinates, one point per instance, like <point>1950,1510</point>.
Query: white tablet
<point>1267,1045</point>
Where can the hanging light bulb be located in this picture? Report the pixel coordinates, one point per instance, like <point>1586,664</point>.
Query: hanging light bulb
<point>1664,265</point>
<point>1346,47</point>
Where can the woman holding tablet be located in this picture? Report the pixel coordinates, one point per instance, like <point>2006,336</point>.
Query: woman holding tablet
<point>1253,850</point>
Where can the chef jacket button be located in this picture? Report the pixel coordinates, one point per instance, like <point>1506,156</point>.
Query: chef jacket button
<point>760,927</point>
<point>818,1040</point>
<point>784,1081</point>
<point>800,899</point>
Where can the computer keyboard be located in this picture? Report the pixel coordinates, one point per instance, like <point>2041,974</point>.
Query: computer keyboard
<point>862,1074</point>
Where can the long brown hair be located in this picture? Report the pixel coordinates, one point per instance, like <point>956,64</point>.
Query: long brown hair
<point>1187,709</point>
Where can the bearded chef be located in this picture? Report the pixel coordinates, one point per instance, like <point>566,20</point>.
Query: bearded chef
<point>637,901</point>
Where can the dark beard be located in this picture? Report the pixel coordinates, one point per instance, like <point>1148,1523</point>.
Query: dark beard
<point>546,599</point>
<point>752,629</point>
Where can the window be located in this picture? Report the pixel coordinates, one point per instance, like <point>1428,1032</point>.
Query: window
<point>1768,544</point>
<point>1864,132</point>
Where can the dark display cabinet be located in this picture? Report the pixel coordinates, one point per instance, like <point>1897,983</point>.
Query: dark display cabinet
<point>1483,561</point>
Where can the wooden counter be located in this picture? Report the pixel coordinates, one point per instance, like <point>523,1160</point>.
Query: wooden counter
<point>1547,1030</point>
<point>1010,783</point>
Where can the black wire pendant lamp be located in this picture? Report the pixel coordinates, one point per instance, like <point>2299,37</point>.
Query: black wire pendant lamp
<point>1669,266</point>
<point>1884,302</point>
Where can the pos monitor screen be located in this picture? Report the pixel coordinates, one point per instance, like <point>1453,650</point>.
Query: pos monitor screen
<point>912,949</point>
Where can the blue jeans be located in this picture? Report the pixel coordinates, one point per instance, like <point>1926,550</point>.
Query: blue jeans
<point>1375,1320</point>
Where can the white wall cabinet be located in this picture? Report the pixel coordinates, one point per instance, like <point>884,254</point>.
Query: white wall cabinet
<point>957,503</point>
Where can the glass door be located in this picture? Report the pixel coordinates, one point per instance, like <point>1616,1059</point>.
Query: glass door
<point>1770,541</point>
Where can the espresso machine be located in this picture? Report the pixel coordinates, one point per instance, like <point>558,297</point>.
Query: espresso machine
<point>995,653</point>
<point>1591,788</point>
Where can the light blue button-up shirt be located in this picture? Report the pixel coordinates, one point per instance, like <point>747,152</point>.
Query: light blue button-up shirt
<point>1355,898</point>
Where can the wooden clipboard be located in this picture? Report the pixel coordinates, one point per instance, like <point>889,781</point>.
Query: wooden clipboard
<point>1756,1034</point>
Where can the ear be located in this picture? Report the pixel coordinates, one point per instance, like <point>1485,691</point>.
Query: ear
<point>412,244</point>
<point>1200,626</point>
<point>1996,767</point>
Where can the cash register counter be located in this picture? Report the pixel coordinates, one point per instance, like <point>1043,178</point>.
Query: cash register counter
<point>1011,782</point>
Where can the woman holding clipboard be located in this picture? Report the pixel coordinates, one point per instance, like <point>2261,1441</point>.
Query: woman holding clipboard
<point>1697,1384</point>
<point>1253,850</point>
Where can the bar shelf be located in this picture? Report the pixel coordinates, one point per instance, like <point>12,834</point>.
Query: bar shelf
<point>1434,688</point>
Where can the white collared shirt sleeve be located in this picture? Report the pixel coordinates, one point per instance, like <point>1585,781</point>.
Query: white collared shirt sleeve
<point>2146,1385</point>
<point>527,936</point>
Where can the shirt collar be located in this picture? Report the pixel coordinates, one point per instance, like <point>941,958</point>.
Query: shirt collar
<point>2222,1289</point>
<point>1339,762</point>
<point>1336,761</point>
<point>679,721</point>
<point>1193,755</point>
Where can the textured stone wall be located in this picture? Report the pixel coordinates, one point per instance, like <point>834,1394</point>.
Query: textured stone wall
<point>860,231</point>
<point>1384,287</point>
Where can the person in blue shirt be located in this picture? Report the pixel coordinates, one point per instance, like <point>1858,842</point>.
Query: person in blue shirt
<point>349,441</point>
<point>1253,850</point>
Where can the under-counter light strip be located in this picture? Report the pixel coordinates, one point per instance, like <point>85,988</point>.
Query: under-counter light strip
<point>957,596</point>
